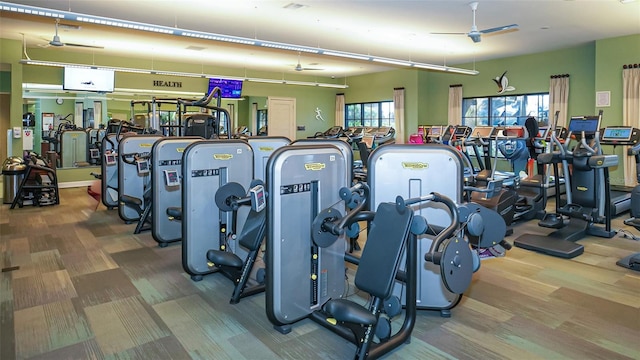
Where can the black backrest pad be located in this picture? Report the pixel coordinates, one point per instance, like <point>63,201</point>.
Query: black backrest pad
<point>381,255</point>
<point>253,230</point>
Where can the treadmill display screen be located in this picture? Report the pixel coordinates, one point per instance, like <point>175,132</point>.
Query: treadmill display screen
<point>482,132</point>
<point>617,133</point>
<point>580,124</point>
<point>435,130</point>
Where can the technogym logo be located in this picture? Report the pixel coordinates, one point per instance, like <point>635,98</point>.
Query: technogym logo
<point>415,165</point>
<point>314,166</point>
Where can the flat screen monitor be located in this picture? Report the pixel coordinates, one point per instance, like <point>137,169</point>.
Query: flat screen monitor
<point>231,89</point>
<point>588,125</point>
<point>96,80</point>
<point>617,133</point>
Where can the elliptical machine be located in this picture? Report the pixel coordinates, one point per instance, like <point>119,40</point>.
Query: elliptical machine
<point>587,193</point>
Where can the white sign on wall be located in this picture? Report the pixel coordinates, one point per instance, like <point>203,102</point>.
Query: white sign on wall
<point>27,139</point>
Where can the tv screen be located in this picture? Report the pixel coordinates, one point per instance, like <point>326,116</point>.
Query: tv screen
<point>231,89</point>
<point>78,79</point>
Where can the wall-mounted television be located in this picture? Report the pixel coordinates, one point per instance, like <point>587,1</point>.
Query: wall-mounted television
<point>97,80</point>
<point>231,89</point>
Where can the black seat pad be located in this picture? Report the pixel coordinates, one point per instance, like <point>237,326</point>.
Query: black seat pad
<point>130,200</point>
<point>348,311</point>
<point>175,212</point>
<point>219,257</point>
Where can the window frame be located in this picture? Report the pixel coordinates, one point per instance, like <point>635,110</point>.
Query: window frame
<point>369,114</point>
<point>497,109</point>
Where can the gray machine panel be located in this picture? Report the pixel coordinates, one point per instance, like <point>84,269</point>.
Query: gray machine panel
<point>302,181</point>
<point>130,182</point>
<point>109,173</point>
<point>166,155</point>
<point>412,171</point>
<point>344,147</point>
<point>207,165</point>
<point>73,148</point>
<point>263,147</point>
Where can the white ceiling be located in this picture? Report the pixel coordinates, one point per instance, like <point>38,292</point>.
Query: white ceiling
<point>392,29</point>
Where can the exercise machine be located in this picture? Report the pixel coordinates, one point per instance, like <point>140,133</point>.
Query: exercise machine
<point>343,146</point>
<point>314,260</point>
<point>134,176</point>
<point>633,261</point>
<point>333,132</point>
<point>206,166</point>
<point>116,130</point>
<point>620,136</point>
<point>73,148</point>
<point>414,171</point>
<point>587,193</point>
<point>263,147</point>
<point>302,276</point>
<point>229,198</point>
<point>166,187</point>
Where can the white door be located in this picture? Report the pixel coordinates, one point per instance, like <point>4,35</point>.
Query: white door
<point>282,117</point>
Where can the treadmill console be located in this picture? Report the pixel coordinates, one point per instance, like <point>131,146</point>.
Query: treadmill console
<point>483,132</point>
<point>462,132</point>
<point>435,131</point>
<point>619,135</point>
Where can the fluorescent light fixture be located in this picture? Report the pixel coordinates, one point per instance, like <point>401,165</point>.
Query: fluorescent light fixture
<point>19,8</point>
<point>391,61</point>
<point>183,74</point>
<point>346,55</point>
<point>34,86</point>
<point>446,69</point>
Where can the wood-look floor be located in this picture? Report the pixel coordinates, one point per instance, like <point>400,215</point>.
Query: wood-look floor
<point>77,284</point>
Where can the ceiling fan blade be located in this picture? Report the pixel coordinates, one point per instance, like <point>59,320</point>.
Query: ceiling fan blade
<point>499,28</point>
<point>448,33</point>
<point>85,46</point>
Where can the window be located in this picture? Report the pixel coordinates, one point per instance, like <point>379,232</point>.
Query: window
<point>505,110</point>
<point>374,114</point>
<point>262,119</point>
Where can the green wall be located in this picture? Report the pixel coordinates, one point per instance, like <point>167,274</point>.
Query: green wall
<point>592,67</point>
<point>528,74</point>
<point>5,81</point>
<point>379,87</point>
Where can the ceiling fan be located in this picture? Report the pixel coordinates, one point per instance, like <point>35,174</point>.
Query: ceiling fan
<point>476,34</point>
<point>57,42</point>
<point>299,66</point>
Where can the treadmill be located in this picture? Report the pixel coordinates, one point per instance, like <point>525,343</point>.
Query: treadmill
<point>624,136</point>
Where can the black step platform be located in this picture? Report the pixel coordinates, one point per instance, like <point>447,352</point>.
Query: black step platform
<point>560,243</point>
<point>549,245</point>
